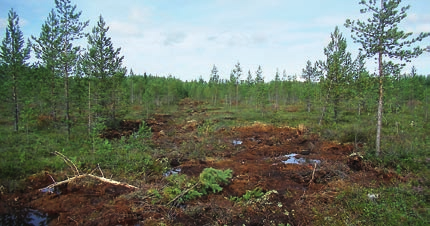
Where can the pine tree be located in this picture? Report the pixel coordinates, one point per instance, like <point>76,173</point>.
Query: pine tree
<point>259,87</point>
<point>14,56</point>
<point>47,50</point>
<point>338,71</point>
<point>237,73</point>
<point>361,83</point>
<point>277,84</point>
<point>71,30</point>
<point>132,77</point>
<point>310,75</point>
<point>213,83</point>
<point>103,64</point>
<point>249,79</point>
<point>381,36</point>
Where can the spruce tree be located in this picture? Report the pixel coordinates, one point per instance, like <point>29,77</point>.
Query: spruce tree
<point>380,36</point>
<point>14,55</point>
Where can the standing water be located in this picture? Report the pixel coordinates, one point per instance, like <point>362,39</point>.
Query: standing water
<point>292,159</point>
<point>25,216</point>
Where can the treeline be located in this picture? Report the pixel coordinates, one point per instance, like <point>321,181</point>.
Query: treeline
<point>72,85</point>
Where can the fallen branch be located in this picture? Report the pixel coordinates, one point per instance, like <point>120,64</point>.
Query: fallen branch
<point>109,181</point>
<point>183,193</point>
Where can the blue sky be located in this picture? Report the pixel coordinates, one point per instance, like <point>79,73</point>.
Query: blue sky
<point>185,38</point>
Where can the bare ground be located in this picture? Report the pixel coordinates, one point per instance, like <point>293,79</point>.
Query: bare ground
<point>257,156</point>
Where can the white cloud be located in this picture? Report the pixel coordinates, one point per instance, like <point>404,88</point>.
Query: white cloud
<point>174,38</point>
<point>123,28</point>
<point>3,23</point>
<point>140,14</point>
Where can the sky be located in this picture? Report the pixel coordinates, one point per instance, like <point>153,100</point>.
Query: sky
<point>186,38</point>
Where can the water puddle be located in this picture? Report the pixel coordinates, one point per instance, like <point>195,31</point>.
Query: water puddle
<point>292,159</point>
<point>51,190</point>
<point>172,171</point>
<point>237,142</point>
<point>25,217</point>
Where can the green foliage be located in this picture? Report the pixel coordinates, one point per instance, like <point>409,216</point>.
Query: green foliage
<point>336,71</point>
<point>177,185</point>
<point>380,36</point>
<point>181,188</point>
<point>102,64</point>
<point>211,179</point>
<point>144,132</point>
<point>392,206</point>
<point>13,58</point>
<point>250,194</point>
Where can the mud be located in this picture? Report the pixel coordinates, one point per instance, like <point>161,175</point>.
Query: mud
<point>124,129</point>
<point>258,156</point>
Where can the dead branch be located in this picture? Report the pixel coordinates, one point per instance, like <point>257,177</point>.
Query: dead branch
<point>78,176</point>
<point>73,220</point>
<point>313,174</point>
<point>183,193</point>
<point>98,165</point>
<point>109,181</point>
<point>68,162</point>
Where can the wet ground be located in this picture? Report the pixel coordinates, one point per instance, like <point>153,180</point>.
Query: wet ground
<point>293,165</point>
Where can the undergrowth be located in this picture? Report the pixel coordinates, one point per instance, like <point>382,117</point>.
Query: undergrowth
<point>404,204</point>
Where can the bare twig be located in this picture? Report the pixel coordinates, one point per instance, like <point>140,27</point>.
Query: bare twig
<point>98,165</point>
<point>53,181</point>
<point>73,220</point>
<point>183,193</point>
<point>68,162</point>
<point>313,174</point>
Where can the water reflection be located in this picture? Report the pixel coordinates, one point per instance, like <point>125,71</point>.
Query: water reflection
<point>237,142</point>
<point>25,216</point>
<point>292,159</point>
<point>172,171</point>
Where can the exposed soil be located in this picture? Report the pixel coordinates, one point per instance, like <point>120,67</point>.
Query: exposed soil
<point>124,129</point>
<point>256,154</point>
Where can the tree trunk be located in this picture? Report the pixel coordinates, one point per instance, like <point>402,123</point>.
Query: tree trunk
<point>380,106</point>
<point>15,103</point>
<point>322,115</point>
<point>335,108</point>
<point>89,107</point>
<point>66,92</point>
<point>359,109</point>
<point>132,92</point>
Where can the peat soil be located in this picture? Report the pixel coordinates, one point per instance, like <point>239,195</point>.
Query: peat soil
<point>293,166</point>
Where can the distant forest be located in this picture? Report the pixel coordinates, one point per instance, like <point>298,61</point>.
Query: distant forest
<point>76,85</point>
